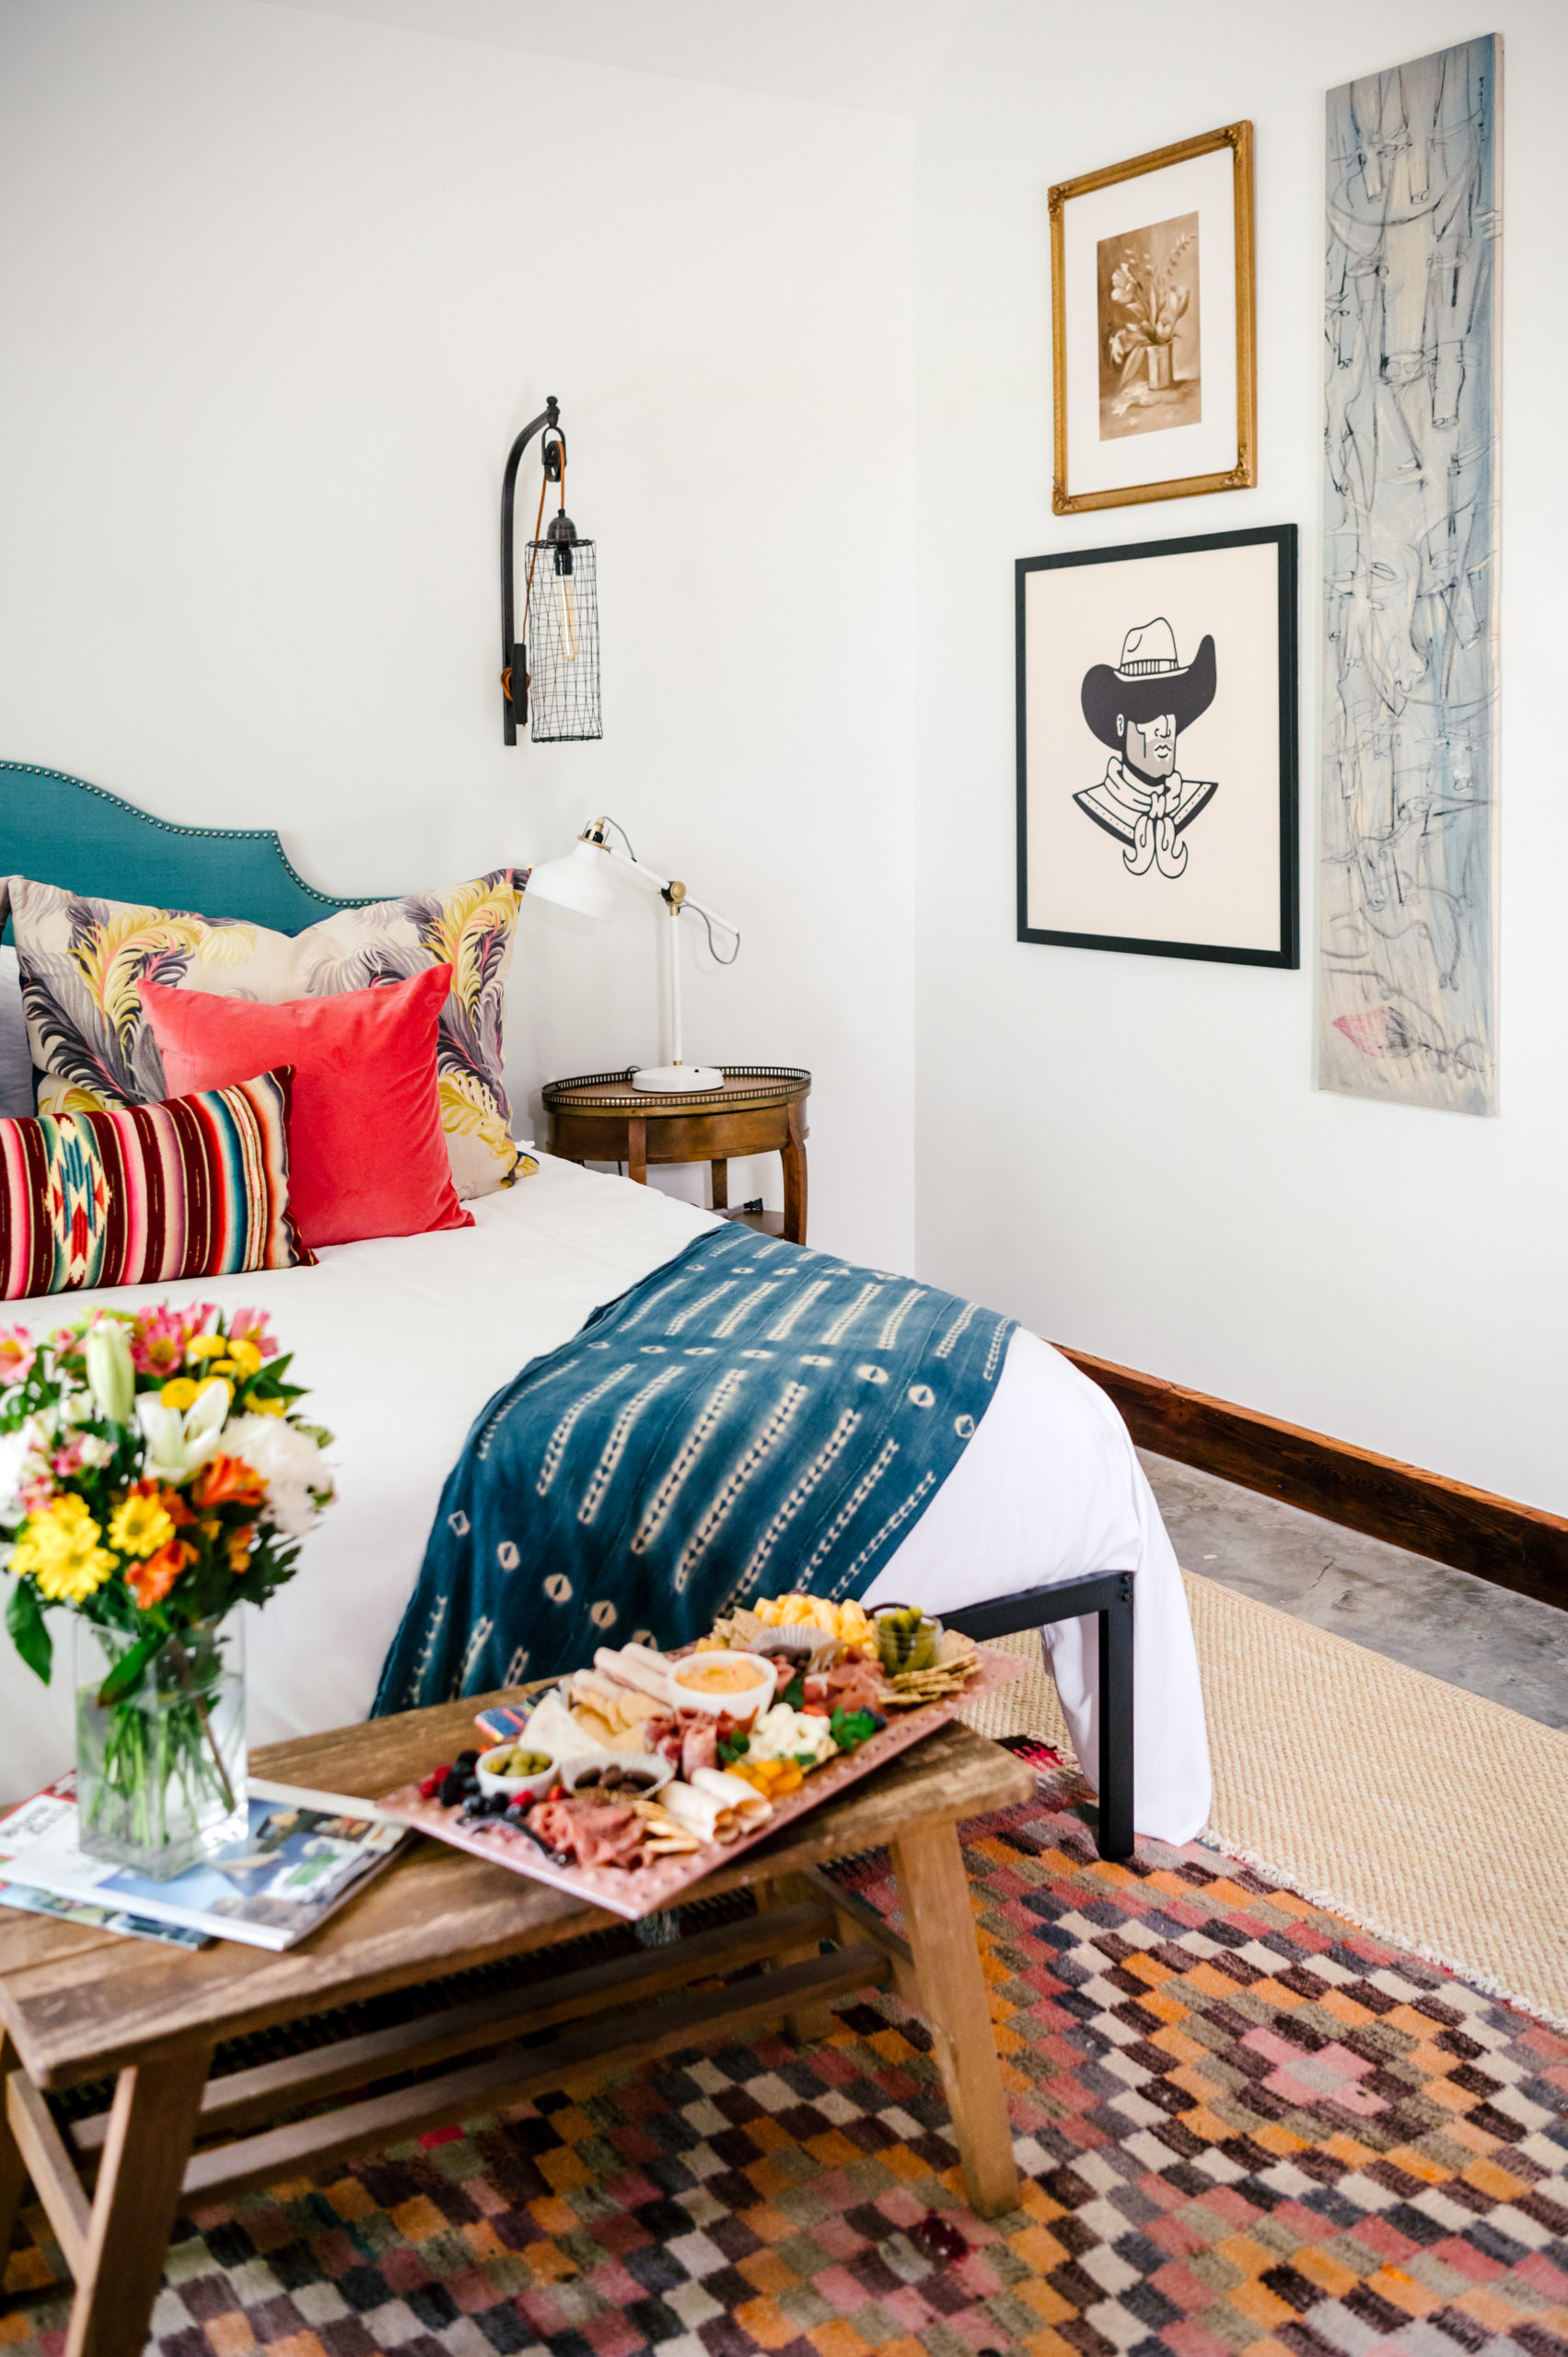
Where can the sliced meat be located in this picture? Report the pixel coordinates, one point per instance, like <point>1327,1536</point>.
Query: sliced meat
<point>855,1686</point>
<point>699,1747</point>
<point>594,1833</point>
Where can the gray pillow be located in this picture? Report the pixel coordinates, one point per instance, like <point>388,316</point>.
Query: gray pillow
<point>17,1099</point>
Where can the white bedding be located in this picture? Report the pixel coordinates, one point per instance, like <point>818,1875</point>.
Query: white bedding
<point>401,1342</point>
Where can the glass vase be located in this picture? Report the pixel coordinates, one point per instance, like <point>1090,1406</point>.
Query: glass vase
<point>160,1771</point>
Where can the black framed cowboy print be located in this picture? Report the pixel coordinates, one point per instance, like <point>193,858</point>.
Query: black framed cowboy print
<point>1157,713</point>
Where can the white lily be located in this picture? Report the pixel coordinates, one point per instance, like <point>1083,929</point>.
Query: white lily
<point>111,1375</point>
<point>180,1440</point>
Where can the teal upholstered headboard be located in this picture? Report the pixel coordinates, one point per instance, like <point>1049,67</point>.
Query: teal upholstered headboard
<point>61,831</point>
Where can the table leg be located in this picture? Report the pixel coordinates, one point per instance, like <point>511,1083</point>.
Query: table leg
<point>637,1151</point>
<point>720,1170</point>
<point>934,1893</point>
<point>793,1157</point>
<point>150,2131</point>
<point>12,2168</point>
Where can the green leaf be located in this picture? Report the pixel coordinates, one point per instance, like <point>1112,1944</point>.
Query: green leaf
<point>24,1617</point>
<point>127,1670</point>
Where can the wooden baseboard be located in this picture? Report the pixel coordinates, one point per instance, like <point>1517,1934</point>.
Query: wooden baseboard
<point>1517,1546</point>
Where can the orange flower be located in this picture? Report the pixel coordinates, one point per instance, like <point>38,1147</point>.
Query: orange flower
<point>150,1581</point>
<point>239,1549</point>
<point>174,1506</point>
<point>228,1481</point>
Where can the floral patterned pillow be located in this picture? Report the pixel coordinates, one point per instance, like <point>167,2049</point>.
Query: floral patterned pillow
<point>83,961</point>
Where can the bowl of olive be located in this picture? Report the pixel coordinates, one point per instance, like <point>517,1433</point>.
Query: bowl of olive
<point>516,1769</point>
<point>905,1638</point>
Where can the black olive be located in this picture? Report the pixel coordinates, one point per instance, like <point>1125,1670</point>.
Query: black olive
<point>451,1789</point>
<point>466,1760</point>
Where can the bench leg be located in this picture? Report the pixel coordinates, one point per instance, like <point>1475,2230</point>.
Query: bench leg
<point>12,2168</point>
<point>934,1893</point>
<point>1116,1725</point>
<point>808,2023</point>
<point>151,2127</point>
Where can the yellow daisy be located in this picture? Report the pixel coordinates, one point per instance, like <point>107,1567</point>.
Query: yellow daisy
<point>140,1526</point>
<point>59,1548</point>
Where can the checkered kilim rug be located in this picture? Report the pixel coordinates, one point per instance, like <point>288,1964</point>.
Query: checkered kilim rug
<point>1244,2126</point>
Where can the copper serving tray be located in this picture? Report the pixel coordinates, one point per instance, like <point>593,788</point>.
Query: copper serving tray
<point>644,1890</point>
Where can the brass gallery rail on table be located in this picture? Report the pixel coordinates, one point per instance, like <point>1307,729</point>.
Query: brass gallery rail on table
<point>80,2005</point>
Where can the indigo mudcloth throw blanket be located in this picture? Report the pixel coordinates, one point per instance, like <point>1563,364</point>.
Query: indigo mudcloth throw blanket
<point>752,1417</point>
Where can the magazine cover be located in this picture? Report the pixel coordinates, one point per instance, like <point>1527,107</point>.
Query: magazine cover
<point>293,1867</point>
<point>22,1826</point>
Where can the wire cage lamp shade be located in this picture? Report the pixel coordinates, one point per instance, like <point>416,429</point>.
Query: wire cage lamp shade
<point>563,637</point>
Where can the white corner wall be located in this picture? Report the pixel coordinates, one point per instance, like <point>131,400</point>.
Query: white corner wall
<point>278,289</point>
<point>1129,1151</point>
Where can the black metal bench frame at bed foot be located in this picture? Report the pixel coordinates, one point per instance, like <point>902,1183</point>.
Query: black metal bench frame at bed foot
<point>1110,1594</point>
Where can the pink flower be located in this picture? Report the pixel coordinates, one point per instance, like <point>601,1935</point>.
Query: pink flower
<point>35,1494</point>
<point>67,1461</point>
<point>196,1317</point>
<point>250,1326</point>
<point>157,1342</point>
<point>18,1354</point>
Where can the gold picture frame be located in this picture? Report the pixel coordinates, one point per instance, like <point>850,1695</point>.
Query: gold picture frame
<point>1212,468</point>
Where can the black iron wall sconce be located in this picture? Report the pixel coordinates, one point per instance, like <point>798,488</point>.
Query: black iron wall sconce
<point>549,674</point>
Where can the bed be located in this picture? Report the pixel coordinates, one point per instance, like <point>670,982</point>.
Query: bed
<point>403,1339</point>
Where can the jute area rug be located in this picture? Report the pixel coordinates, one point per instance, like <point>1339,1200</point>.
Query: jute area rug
<point>1428,1816</point>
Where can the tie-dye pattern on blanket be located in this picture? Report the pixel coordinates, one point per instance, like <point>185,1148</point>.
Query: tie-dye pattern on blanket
<point>751,1417</point>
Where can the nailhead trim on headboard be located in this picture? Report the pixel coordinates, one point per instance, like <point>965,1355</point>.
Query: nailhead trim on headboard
<point>225,834</point>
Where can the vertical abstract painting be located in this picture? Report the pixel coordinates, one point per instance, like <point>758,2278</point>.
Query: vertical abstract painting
<point>1408,827</point>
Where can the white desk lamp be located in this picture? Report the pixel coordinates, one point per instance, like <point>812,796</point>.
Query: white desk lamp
<point>578,880</point>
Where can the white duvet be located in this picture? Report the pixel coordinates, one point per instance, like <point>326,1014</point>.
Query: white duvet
<point>402,1341</point>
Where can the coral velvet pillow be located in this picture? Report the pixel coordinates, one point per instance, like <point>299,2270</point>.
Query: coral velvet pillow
<point>367,1153</point>
<point>147,1192</point>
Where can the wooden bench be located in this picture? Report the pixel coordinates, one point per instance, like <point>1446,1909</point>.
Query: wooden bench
<point>80,2005</point>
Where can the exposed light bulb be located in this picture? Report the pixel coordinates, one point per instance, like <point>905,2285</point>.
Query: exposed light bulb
<point>568,603</point>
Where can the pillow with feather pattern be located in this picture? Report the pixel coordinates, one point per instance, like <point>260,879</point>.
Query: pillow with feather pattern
<point>83,962</point>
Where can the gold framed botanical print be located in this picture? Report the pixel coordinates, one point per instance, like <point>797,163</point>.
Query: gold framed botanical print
<point>1153,354</point>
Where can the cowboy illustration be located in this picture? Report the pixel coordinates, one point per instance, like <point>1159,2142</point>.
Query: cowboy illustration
<point>1139,708</point>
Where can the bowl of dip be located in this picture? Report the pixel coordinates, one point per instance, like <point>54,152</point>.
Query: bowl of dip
<point>500,1770</point>
<point>736,1683</point>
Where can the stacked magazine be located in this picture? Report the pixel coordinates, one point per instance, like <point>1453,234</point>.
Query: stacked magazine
<point>301,1857</point>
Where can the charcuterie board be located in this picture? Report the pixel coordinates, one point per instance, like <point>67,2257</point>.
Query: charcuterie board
<point>637,1891</point>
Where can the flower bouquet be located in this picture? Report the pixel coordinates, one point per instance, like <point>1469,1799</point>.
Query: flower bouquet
<point>154,1473</point>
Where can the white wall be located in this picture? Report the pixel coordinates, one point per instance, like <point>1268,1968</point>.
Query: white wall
<point>1127,1152</point>
<point>276,287</point>
<point>277,291</point>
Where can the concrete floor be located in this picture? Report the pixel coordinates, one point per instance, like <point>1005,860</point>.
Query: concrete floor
<point>1448,1623</point>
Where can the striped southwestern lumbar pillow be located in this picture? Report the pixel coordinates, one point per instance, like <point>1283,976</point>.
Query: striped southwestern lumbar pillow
<point>195,1187</point>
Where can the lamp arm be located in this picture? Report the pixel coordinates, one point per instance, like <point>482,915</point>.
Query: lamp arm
<point>662,884</point>
<point>516,705</point>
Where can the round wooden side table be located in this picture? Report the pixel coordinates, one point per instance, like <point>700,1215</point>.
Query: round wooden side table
<point>599,1117</point>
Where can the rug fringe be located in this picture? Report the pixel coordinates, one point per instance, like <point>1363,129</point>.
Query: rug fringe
<point>1487,1984</point>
